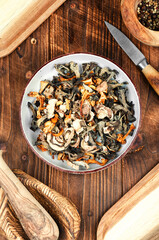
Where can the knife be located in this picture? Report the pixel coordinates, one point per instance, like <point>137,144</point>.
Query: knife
<point>136,56</point>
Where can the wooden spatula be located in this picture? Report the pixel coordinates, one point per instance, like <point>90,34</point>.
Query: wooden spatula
<point>35,220</point>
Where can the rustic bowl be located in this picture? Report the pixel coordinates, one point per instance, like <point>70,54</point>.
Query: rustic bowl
<point>129,16</point>
<point>47,72</point>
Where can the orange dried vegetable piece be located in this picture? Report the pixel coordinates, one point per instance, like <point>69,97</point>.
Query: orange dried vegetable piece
<point>49,97</point>
<point>55,119</point>
<point>98,143</point>
<point>81,88</point>
<point>98,81</point>
<point>92,103</point>
<point>41,99</point>
<point>61,79</point>
<point>33,94</point>
<point>64,157</point>
<point>71,78</point>
<point>110,149</point>
<point>122,138</point>
<point>67,117</point>
<point>60,156</point>
<point>58,134</point>
<point>88,81</point>
<point>104,161</point>
<point>103,97</point>
<point>91,123</point>
<point>79,159</point>
<point>42,148</point>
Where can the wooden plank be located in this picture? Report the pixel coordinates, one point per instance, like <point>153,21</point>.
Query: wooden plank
<point>56,36</point>
<point>23,61</point>
<point>20,19</point>
<point>5,121</point>
<point>135,214</point>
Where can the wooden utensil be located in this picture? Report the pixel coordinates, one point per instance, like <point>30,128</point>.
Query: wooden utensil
<point>34,219</point>
<point>136,215</point>
<point>61,208</point>
<point>129,16</point>
<point>20,19</point>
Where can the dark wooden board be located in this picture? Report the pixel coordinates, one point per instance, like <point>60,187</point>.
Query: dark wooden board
<point>78,26</point>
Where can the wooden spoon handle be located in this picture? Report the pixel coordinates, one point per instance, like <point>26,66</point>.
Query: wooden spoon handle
<point>152,76</point>
<point>35,220</point>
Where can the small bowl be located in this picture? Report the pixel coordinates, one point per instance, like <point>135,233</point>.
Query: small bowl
<point>129,16</point>
<point>47,72</point>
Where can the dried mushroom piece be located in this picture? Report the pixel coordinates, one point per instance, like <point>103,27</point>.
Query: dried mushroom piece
<point>64,70</point>
<point>84,117</point>
<point>34,125</point>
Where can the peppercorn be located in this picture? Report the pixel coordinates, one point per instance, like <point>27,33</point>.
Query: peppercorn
<point>148,14</point>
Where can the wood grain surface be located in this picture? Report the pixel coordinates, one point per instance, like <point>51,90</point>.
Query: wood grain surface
<point>3,235</point>
<point>130,19</point>
<point>16,26</point>
<point>9,223</point>
<point>136,215</point>
<point>59,207</point>
<point>35,220</point>
<point>78,26</point>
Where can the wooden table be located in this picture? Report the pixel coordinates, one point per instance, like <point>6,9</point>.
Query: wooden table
<point>78,26</point>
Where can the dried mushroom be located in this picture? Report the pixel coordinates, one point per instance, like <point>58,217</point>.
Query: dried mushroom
<point>84,117</point>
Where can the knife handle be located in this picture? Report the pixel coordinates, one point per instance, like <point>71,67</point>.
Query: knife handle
<point>152,76</point>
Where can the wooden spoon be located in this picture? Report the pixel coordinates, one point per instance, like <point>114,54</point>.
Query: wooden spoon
<point>35,220</point>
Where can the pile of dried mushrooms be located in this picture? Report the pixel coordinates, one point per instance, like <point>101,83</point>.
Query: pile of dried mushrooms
<point>84,116</point>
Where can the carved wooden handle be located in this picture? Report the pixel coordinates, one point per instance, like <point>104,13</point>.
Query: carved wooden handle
<point>152,76</point>
<point>35,220</point>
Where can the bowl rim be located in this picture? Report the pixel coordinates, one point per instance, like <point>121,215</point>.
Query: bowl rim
<point>78,171</point>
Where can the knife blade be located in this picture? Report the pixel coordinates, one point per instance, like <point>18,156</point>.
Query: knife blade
<point>136,56</point>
